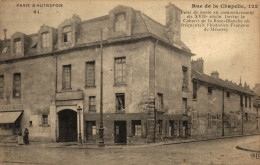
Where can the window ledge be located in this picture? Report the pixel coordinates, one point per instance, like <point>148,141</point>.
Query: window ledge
<point>119,85</point>
<point>90,86</point>
<point>66,89</point>
<point>45,125</point>
<point>120,111</point>
<point>194,99</point>
<point>94,111</point>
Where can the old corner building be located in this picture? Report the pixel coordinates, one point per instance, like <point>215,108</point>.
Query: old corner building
<point>151,89</point>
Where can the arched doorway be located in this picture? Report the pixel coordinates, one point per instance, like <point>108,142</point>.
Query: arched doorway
<point>67,125</point>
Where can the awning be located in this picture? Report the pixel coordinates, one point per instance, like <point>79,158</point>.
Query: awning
<point>9,117</point>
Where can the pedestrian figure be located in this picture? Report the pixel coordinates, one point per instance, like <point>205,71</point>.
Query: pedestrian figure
<point>26,136</point>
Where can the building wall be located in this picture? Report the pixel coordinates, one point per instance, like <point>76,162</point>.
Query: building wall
<point>213,103</point>
<point>37,91</point>
<point>136,85</point>
<point>169,77</point>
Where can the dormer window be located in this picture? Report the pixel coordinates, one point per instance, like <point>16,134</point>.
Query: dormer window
<point>66,34</point>
<point>120,22</point>
<point>45,40</point>
<point>17,45</point>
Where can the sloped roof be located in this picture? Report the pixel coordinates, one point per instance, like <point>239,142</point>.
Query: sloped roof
<point>89,32</point>
<point>219,82</point>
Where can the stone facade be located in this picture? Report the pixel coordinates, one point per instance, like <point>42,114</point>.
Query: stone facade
<point>147,81</point>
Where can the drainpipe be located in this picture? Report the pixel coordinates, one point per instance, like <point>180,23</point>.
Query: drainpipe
<point>155,111</point>
<point>242,111</point>
<point>223,113</point>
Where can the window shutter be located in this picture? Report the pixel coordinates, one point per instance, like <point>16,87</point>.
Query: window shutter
<point>49,121</point>
<point>166,128</point>
<point>129,128</point>
<point>40,119</point>
<point>144,128</point>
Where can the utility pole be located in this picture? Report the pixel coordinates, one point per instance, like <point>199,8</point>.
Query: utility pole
<point>101,128</point>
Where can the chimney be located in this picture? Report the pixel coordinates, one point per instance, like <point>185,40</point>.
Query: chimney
<point>198,65</point>
<point>5,33</point>
<point>215,74</point>
<point>173,29</point>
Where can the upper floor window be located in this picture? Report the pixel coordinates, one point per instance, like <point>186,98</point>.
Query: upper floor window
<point>17,45</point>
<point>90,74</point>
<point>66,34</point>
<point>120,22</point>
<point>160,101</point>
<point>4,50</point>
<point>45,40</point>
<point>185,78</point>
<point>250,102</point>
<point>44,120</point>
<point>1,86</point>
<point>120,70</point>
<point>92,103</point>
<point>209,90</point>
<point>17,85</point>
<point>194,95</point>
<point>120,101</point>
<point>228,94</point>
<point>245,101</point>
<point>66,77</point>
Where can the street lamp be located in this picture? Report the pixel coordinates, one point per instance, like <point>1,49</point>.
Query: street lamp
<point>79,109</point>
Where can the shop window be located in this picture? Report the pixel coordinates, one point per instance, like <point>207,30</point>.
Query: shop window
<point>66,80</point>
<point>219,119</point>
<point>17,45</point>
<point>171,128</point>
<point>120,22</point>
<point>66,34</point>
<point>185,78</point>
<point>120,70</point>
<point>17,85</point>
<point>1,86</point>
<point>91,130</point>
<point>159,126</point>
<point>136,128</point>
<point>92,103</point>
<point>90,74</point>
<point>120,101</point>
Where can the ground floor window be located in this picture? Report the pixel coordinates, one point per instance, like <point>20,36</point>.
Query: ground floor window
<point>44,120</point>
<point>171,128</point>
<point>91,130</point>
<point>194,118</point>
<point>209,116</point>
<point>219,119</point>
<point>136,128</point>
<point>159,126</point>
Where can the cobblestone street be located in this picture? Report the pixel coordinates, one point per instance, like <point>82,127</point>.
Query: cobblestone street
<point>222,151</point>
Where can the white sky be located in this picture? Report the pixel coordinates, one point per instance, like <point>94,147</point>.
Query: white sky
<point>232,54</point>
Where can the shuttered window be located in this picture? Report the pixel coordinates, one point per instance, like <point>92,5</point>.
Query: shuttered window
<point>120,101</point>
<point>90,74</point>
<point>66,80</point>
<point>120,70</point>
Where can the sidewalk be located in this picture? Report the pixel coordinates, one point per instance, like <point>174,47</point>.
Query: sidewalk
<point>74,145</point>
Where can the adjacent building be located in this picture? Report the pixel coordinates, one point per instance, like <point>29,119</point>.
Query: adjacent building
<point>150,92</point>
